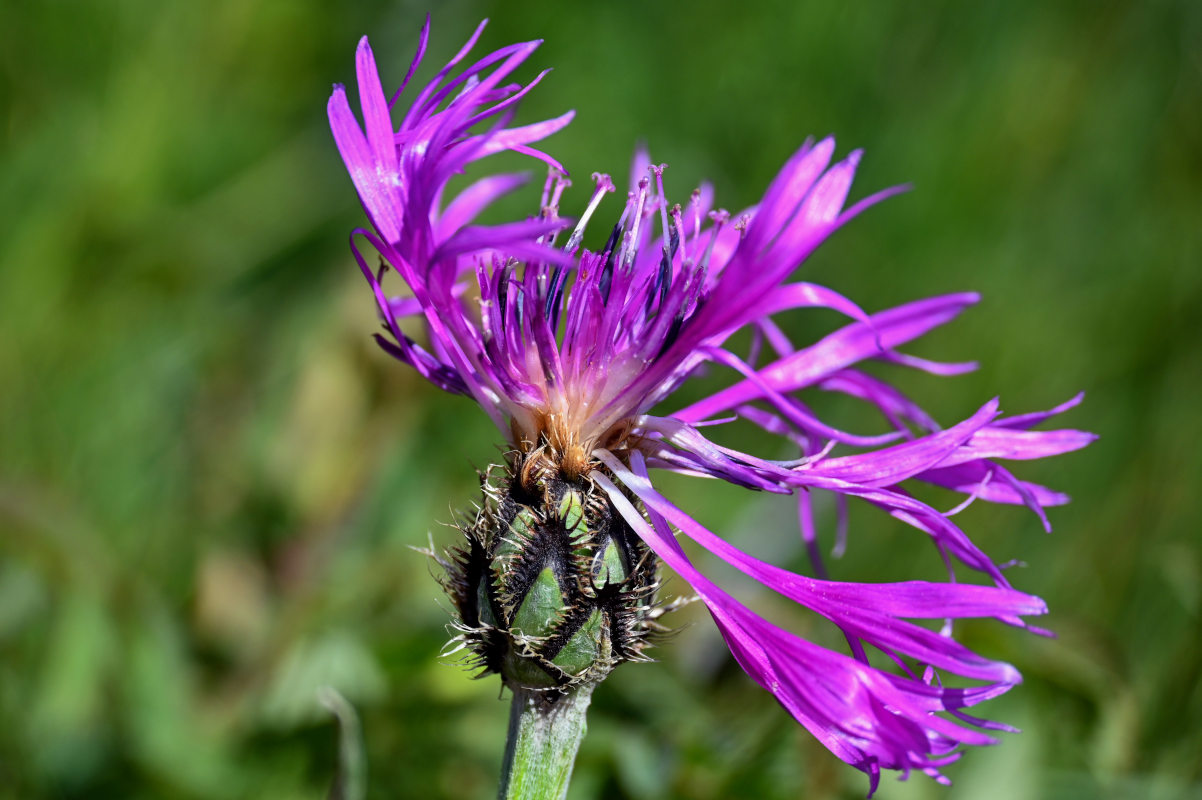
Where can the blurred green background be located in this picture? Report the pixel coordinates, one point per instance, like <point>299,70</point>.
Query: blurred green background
<point>211,480</point>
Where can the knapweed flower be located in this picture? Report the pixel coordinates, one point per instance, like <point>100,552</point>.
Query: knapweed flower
<point>576,354</point>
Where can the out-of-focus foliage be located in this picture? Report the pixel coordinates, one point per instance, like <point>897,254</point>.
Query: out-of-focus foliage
<point>211,481</point>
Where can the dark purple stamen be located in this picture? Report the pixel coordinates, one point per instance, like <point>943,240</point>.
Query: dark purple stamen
<point>611,254</point>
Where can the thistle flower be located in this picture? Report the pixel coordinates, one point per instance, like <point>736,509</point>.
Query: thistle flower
<point>575,355</point>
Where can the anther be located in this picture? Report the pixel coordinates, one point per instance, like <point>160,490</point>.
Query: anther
<point>669,245</point>
<point>605,280</point>
<point>628,252</point>
<point>604,185</point>
<point>719,218</point>
<point>678,232</point>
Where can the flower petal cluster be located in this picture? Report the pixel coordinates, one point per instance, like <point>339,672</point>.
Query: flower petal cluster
<point>573,353</point>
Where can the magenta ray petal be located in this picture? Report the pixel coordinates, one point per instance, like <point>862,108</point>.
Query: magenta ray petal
<point>376,190</point>
<point>787,191</point>
<point>892,465</point>
<point>422,42</point>
<point>929,366</point>
<point>966,477</point>
<point>501,237</point>
<point>376,117</point>
<point>1007,443</point>
<point>474,199</point>
<point>840,349</point>
<point>791,409</point>
<point>894,405</point>
<point>811,295</point>
<point>1024,421</point>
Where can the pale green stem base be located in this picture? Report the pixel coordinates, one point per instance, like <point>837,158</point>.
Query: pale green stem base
<point>542,745</point>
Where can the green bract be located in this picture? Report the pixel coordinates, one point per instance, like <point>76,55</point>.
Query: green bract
<point>552,587</point>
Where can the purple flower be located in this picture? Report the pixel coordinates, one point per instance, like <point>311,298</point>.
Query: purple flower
<point>575,355</point>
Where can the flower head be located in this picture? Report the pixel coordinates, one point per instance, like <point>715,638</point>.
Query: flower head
<point>575,353</point>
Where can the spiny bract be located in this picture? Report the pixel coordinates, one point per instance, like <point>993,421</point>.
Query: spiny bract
<point>552,587</point>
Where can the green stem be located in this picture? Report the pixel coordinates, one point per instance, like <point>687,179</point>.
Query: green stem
<point>542,744</point>
<point>351,782</point>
